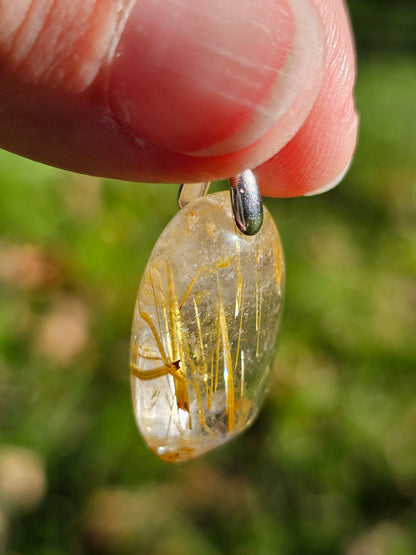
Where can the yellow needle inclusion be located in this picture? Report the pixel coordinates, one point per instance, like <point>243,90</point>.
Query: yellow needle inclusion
<point>204,331</point>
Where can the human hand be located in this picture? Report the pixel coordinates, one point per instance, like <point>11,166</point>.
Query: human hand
<point>181,90</point>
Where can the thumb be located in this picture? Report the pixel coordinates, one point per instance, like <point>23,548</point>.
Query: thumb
<point>172,90</point>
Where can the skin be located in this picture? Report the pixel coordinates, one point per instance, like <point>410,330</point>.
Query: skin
<point>181,90</point>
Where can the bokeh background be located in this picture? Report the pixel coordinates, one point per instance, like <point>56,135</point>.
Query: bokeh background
<point>330,465</point>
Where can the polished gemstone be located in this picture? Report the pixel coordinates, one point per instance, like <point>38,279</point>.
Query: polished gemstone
<point>204,329</point>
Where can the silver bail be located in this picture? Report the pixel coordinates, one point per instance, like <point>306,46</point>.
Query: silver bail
<point>246,202</point>
<point>191,191</point>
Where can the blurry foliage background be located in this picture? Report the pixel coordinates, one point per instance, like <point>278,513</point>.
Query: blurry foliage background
<point>330,465</point>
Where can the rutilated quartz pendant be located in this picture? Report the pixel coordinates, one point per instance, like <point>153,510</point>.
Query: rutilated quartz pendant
<point>204,329</point>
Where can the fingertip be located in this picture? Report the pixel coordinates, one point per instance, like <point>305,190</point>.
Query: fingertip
<point>334,174</point>
<point>313,162</point>
<point>316,158</point>
<point>331,184</point>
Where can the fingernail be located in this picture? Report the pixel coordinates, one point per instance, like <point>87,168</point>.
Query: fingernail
<point>186,75</point>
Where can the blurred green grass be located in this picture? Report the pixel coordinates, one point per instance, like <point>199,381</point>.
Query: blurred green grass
<point>330,465</point>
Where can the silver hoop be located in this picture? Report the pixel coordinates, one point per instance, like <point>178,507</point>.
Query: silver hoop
<point>246,202</point>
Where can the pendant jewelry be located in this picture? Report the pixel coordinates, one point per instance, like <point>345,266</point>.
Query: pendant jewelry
<point>206,320</point>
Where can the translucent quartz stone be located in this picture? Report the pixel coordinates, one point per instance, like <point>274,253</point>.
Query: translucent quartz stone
<point>204,329</point>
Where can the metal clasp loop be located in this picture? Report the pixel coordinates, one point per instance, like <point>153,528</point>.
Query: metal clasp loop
<point>246,202</point>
